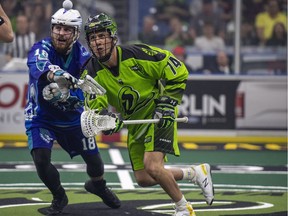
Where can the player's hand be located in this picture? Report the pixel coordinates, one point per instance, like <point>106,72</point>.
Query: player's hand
<point>118,121</point>
<point>64,80</point>
<point>165,111</point>
<point>61,77</point>
<point>52,93</point>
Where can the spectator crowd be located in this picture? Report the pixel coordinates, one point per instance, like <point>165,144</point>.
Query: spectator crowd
<point>185,22</point>
<point>209,27</point>
<point>206,25</point>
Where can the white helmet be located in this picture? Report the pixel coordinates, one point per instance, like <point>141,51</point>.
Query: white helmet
<point>67,17</point>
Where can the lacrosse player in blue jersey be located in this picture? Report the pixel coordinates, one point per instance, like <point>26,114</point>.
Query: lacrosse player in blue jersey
<point>55,105</point>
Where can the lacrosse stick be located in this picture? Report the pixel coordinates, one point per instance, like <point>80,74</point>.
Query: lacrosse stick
<point>62,78</point>
<point>92,123</point>
<point>90,86</point>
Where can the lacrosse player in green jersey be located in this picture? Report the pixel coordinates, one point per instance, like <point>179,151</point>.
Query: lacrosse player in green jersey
<point>143,82</point>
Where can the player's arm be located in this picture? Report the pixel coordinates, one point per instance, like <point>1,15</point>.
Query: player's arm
<point>63,79</point>
<point>60,83</point>
<point>171,71</point>
<point>42,69</point>
<point>174,75</point>
<point>6,31</point>
<point>99,103</point>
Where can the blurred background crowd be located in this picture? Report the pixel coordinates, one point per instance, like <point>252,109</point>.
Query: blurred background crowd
<point>199,32</point>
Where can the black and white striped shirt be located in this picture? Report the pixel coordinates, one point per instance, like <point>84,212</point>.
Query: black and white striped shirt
<point>20,46</point>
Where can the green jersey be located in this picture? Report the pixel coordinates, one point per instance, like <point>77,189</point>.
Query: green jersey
<point>143,74</point>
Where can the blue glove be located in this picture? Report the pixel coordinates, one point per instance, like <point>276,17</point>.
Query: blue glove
<point>118,122</point>
<point>165,111</point>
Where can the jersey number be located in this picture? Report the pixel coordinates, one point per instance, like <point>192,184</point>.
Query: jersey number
<point>173,63</point>
<point>90,145</point>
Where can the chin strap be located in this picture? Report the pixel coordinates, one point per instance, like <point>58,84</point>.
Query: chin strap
<point>75,38</point>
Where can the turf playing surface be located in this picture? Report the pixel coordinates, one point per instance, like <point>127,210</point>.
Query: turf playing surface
<point>145,202</point>
<point>247,182</point>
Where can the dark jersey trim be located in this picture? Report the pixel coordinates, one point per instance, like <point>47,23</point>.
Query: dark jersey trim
<point>85,65</point>
<point>92,66</point>
<point>174,83</point>
<point>137,51</point>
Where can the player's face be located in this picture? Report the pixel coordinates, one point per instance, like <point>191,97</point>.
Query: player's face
<point>62,37</point>
<point>100,43</point>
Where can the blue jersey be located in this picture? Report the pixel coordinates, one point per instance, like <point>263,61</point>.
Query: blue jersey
<point>38,111</point>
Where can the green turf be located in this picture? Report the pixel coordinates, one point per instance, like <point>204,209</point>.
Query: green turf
<point>270,188</point>
<point>271,158</point>
<point>279,200</point>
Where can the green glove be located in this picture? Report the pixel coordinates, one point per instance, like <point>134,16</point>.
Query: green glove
<point>165,111</point>
<point>119,122</point>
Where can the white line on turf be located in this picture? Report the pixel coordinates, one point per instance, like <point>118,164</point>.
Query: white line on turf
<point>27,204</point>
<point>184,187</point>
<point>261,205</point>
<point>123,175</point>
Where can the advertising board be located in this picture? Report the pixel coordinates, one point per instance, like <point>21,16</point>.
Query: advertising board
<point>13,89</point>
<point>210,102</point>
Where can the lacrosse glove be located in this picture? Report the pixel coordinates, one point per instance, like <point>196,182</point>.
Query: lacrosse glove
<point>52,93</point>
<point>64,80</point>
<point>165,111</point>
<point>118,122</point>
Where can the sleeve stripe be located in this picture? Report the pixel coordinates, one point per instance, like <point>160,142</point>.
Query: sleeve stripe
<point>175,83</point>
<point>175,91</point>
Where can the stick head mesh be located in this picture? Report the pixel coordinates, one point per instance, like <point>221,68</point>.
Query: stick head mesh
<point>92,123</point>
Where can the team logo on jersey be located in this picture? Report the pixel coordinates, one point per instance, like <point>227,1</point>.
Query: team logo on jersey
<point>41,59</point>
<point>129,99</point>
<point>84,51</point>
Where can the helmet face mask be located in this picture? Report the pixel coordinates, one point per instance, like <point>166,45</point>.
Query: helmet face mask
<point>70,21</point>
<point>101,36</point>
<point>63,37</point>
<point>101,44</point>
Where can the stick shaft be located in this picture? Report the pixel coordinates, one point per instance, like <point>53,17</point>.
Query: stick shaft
<point>144,121</point>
